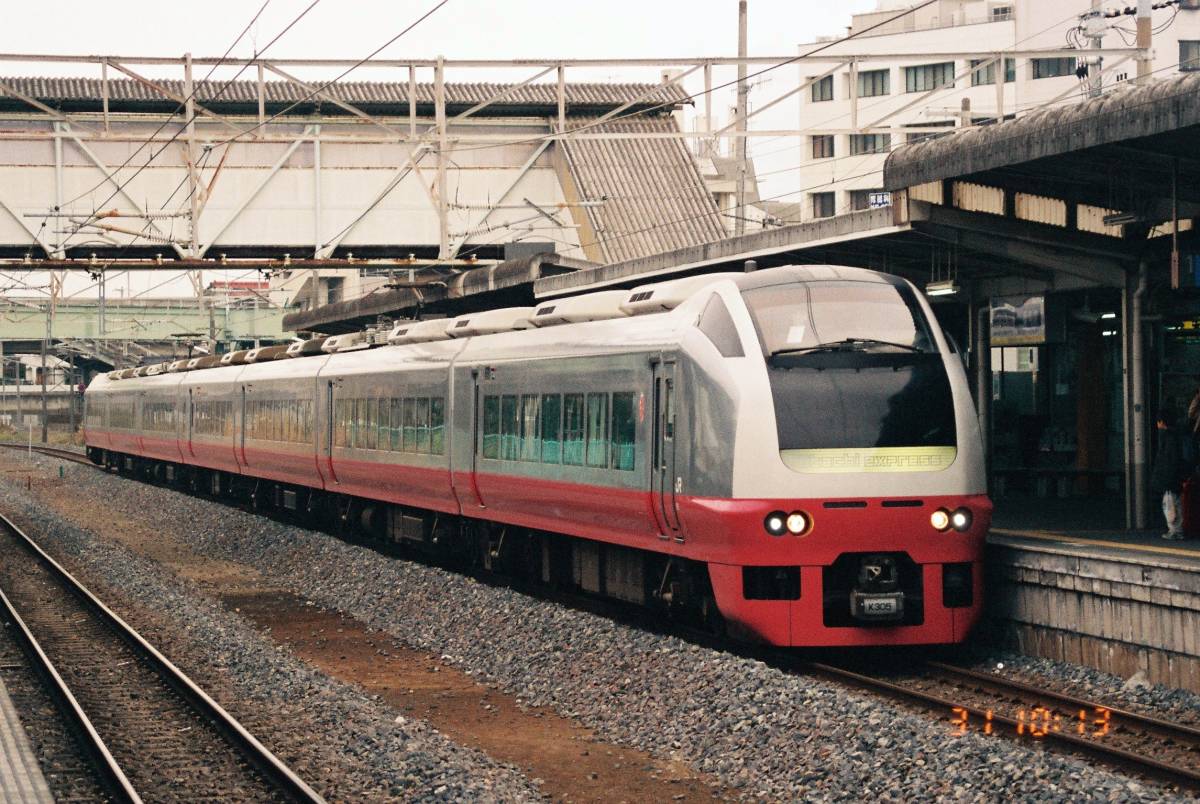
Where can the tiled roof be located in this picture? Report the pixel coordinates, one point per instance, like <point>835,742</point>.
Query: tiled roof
<point>129,95</point>
<point>655,199</point>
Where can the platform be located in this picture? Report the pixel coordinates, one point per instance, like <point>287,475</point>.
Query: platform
<point>21,778</point>
<point>1116,600</point>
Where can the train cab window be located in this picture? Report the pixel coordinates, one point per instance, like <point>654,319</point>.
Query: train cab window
<point>597,430</point>
<point>716,323</point>
<point>551,428</point>
<point>491,427</point>
<point>573,428</point>
<point>624,429</point>
<point>531,437</point>
<point>510,433</point>
<point>437,426</point>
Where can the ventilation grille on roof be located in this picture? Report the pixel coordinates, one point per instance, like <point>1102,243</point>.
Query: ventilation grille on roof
<point>462,323</point>
<point>645,294</point>
<point>546,310</point>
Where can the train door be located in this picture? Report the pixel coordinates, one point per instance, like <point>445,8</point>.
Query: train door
<point>664,480</point>
<point>239,449</point>
<point>476,434</point>
<point>191,423</point>
<point>328,441</point>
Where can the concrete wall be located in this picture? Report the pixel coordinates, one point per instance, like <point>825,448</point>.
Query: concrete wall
<point>1117,611</point>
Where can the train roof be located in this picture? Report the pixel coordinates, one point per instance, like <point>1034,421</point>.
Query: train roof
<point>496,327</point>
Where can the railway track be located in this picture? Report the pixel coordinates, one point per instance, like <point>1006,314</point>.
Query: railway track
<point>52,452</point>
<point>977,702</point>
<point>985,704</point>
<point>150,731</point>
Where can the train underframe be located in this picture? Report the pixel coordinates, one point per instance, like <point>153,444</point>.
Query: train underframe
<point>939,603</point>
<point>640,578</point>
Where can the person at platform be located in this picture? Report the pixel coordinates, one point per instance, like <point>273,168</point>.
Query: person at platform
<point>1170,470</point>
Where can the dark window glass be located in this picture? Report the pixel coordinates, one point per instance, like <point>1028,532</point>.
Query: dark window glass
<point>716,323</point>
<point>823,90</point>
<point>926,77</point>
<point>573,427</point>
<point>437,426</point>
<point>870,143</point>
<point>823,205</point>
<point>624,430</point>
<point>597,429</point>
<point>803,316</point>
<point>491,427</point>
<point>1189,55</point>
<point>872,83</point>
<point>510,432</point>
<point>422,425</point>
<point>822,146</point>
<point>531,437</point>
<point>551,428</point>
<point>1053,68</point>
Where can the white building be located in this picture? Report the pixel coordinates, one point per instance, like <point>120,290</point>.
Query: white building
<point>938,67</point>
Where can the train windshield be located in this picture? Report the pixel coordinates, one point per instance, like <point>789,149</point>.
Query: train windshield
<point>856,378</point>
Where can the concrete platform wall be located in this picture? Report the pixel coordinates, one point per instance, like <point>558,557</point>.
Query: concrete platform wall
<point>1117,612</point>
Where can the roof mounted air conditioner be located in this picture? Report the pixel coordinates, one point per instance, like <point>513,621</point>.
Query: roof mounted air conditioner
<point>577,309</point>
<point>490,322</point>
<point>419,331</point>
<point>662,296</point>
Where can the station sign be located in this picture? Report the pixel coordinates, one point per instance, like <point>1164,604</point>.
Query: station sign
<point>880,199</point>
<point>1018,320</point>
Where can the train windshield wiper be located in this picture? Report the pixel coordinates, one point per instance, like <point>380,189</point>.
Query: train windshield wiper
<point>847,345</point>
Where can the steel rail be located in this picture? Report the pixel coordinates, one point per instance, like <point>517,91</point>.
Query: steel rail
<point>1184,734</point>
<point>285,780</point>
<point>115,778</point>
<point>1147,766</point>
<point>52,452</point>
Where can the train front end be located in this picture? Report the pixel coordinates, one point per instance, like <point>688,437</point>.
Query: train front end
<point>859,509</point>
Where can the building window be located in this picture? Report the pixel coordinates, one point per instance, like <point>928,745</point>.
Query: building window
<point>823,90</point>
<point>922,136</point>
<point>1002,13</point>
<point>823,205</point>
<point>872,83</point>
<point>925,77</point>
<point>822,146</point>
<point>987,75</point>
<point>1189,55</point>
<point>1053,68</point>
<point>870,143</point>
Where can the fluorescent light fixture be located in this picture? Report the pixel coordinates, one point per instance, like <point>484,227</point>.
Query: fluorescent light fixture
<point>945,287</point>
<point>1108,315</point>
<point>1120,218</point>
<point>1108,333</point>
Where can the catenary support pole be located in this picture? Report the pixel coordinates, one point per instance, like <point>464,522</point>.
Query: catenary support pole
<point>1137,393</point>
<point>1144,38</point>
<point>983,375</point>
<point>743,92</point>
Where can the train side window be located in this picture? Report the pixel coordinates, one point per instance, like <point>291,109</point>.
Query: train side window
<point>551,428</point>
<point>339,422</point>
<point>491,427</point>
<point>396,410</point>
<point>408,426</point>
<point>573,425</point>
<point>531,437</point>
<point>437,426</point>
<point>510,434</point>
<point>716,323</point>
<point>384,425</point>
<point>597,430</point>
<point>422,414</point>
<point>624,430</point>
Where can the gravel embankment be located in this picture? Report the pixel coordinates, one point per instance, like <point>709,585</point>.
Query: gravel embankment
<point>342,742</point>
<point>768,733</point>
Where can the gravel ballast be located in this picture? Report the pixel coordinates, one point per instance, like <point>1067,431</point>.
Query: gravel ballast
<point>342,742</point>
<point>766,732</point>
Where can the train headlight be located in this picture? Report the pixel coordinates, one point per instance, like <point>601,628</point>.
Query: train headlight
<point>798,523</point>
<point>940,519</point>
<point>961,519</point>
<point>776,523</point>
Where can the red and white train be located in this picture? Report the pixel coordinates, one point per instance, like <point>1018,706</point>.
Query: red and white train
<point>792,452</point>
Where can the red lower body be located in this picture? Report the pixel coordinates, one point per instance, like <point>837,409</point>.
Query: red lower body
<point>725,534</point>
